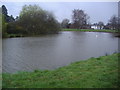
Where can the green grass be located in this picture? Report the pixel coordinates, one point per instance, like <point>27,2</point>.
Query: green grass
<point>99,72</point>
<point>89,30</point>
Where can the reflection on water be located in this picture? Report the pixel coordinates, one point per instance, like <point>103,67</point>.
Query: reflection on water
<point>53,51</point>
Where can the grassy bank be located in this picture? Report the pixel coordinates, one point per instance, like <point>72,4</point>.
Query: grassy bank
<point>99,72</point>
<point>89,30</point>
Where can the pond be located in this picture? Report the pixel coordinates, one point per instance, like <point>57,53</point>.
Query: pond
<point>53,51</point>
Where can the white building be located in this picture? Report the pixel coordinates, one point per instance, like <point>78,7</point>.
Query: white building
<point>96,27</point>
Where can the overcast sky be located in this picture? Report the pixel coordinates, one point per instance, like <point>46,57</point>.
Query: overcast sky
<point>98,11</point>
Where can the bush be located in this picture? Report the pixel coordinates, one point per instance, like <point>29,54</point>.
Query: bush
<point>13,28</point>
<point>35,20</point>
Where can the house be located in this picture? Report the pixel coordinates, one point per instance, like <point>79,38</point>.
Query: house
<point>95,26</point>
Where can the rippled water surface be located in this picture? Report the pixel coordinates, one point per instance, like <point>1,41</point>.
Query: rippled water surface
<point>53,51</point>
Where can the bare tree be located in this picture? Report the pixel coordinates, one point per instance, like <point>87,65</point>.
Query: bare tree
<point>79,19</point>
<point>113,22</point>
<point>65,23</point>
<point>100,24</point>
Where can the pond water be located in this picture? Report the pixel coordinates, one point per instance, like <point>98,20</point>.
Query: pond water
<point>53,51</point>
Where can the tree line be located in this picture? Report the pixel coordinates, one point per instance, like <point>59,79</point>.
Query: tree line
<point>80,20</point>
<point>33,20</point>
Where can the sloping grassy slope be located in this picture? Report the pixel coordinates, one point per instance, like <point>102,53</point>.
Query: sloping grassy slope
<point>99,72</point>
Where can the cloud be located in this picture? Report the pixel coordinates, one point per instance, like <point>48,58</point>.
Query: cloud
<point>60,0</point>
<point>101,11</point>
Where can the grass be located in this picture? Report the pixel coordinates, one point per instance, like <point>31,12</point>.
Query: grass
<point>99,72</point>
<point>89,30</point>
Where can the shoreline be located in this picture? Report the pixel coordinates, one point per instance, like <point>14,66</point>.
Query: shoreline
<point>80,30</point>
<point>91,30</point>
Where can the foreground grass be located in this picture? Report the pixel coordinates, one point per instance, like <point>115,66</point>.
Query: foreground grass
<point>99,72</point>
<point>89,30</point>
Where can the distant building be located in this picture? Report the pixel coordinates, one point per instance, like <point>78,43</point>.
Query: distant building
<point>96,26</point>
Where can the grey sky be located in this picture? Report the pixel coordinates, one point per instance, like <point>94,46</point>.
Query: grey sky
<point>98,11</point>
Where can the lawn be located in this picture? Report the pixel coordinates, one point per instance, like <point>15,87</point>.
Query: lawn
<point>101,72</point>
<point>89,30</point>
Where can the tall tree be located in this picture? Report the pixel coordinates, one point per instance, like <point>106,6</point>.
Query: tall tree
<point>3,24</point>
<point>100,24</point>
<point>4,10</point>
<point>6,16</point>
<point>4,13</point>
<point>79,18</point>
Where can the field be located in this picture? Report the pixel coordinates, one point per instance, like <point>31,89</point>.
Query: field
<point>101,72</point>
